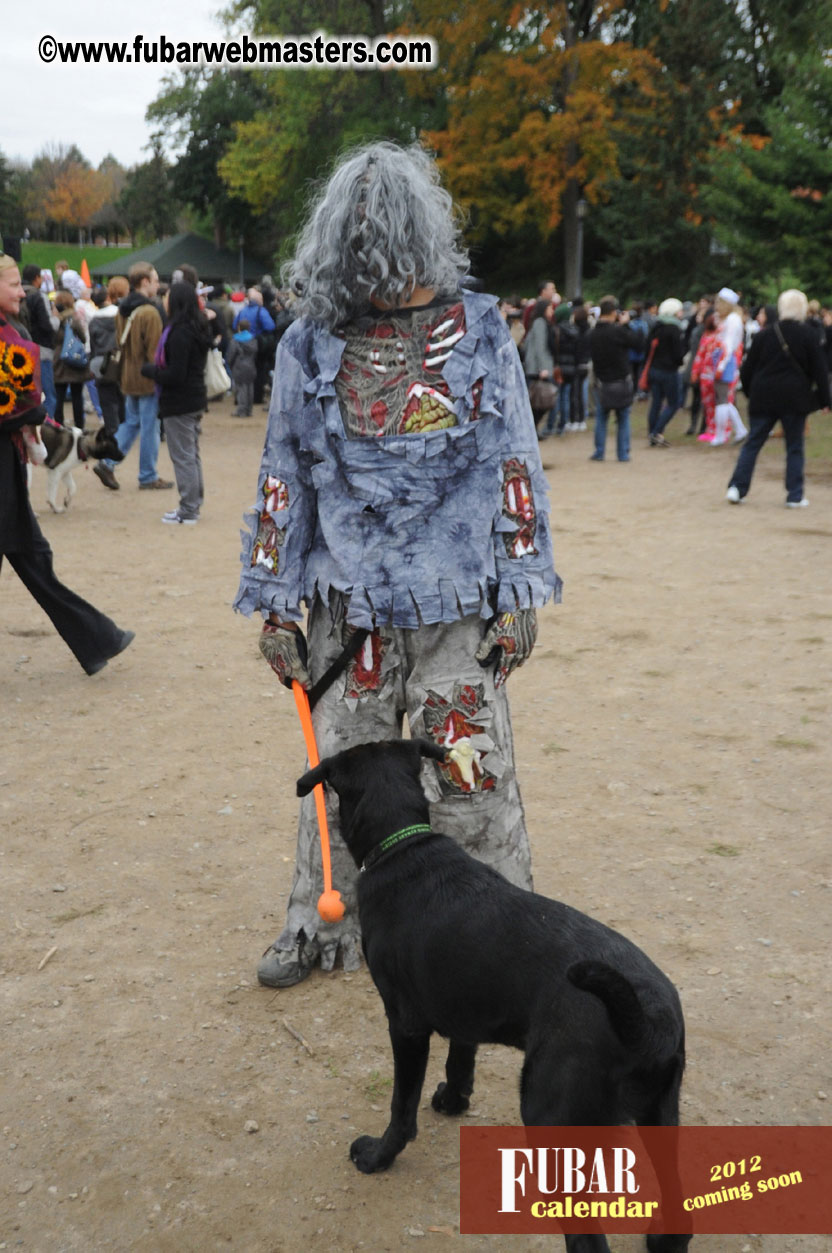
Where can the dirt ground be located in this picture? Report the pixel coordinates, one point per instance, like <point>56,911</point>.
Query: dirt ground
<point>672,736</point>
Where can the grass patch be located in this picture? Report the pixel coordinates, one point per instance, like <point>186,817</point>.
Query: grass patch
<point>818,442</point>
<point>45,255</point>
<point>784,741</point>
<point>550,749</point>
<point>723,850</point>
<point>377,1085</point>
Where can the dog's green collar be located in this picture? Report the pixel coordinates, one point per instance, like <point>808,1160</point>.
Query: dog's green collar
<point>392,841</point>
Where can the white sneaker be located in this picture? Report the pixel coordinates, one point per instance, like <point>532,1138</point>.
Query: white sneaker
<point>797,504</point>
<point>173,517</point>
<point>581,426</point>
<point>733,494</point>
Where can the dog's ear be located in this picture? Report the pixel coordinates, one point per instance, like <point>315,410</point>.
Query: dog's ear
<point>427,748</point>
<point>312,778</point>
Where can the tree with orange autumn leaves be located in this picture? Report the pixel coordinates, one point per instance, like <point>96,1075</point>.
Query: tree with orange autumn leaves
<point>77,195</point>
<point>531,98</point>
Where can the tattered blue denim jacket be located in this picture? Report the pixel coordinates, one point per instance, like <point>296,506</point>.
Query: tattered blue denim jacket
<point>416,528</point>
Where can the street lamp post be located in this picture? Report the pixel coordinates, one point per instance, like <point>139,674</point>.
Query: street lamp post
<point>580,213</point>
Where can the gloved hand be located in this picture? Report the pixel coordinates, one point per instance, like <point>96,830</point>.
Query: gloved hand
<point>508,642</point>
<point>285,651</point>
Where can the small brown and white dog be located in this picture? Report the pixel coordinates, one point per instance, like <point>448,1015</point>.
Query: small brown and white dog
<point>66,449</point>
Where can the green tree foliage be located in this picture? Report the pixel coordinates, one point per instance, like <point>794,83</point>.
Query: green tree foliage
<point>108,220</point>
<point>148,205</point>
<point>196,113</point>
<point>685,213</point>
<point>12,213</point>
<point>313,115</point>
<point>771,196</point>
<point>653,225</point>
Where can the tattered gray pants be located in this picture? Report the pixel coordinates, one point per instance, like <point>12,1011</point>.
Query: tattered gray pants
<point>431,676</point>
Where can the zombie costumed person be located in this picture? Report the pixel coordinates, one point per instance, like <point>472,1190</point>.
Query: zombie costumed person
<point>400,494</point>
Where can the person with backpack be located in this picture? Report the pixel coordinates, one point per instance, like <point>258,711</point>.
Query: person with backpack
<point>242,362</point>
<point>103,345</point>
<point>261,324</point>
<point>138,331</point>
<point>67,374</point>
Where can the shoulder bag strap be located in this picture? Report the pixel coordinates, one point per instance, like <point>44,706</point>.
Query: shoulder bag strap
<point>126,330</point>
<point>787,350</point>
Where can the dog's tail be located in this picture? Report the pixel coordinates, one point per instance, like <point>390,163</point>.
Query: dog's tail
<point>643,1033</point>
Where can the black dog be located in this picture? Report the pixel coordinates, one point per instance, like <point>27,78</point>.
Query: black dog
<point>453,947</point>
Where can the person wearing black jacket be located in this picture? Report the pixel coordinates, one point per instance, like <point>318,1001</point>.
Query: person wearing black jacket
<point>783,365</point>
<point>179,372</point>
<point>610,342</point>
<point>583,361</point>
<point>663,378</point>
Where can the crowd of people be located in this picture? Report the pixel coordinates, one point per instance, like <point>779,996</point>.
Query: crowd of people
<point>137,352</point>
<point>678,357</point>
<point>142,370</point>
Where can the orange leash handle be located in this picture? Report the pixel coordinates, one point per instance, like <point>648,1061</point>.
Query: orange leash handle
<point>330,906</point>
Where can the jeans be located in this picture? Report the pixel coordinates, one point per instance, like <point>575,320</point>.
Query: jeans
<point>761,426</point>
<point>664,387</point>
<point>622,433</point>
<point>141,418</point>
<point>47,383</point>
<point>564,405</point>
<point>92,392</point>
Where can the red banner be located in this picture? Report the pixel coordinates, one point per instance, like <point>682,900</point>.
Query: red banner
<point>677,1180</point>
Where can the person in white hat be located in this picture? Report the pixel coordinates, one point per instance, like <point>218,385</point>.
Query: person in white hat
<point>727,370</point>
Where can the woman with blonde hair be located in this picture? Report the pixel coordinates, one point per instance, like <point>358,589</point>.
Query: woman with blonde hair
<point>91,635</point>
<point>784,377</point>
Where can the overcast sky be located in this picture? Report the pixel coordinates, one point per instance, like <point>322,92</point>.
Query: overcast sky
<point>98,107</point>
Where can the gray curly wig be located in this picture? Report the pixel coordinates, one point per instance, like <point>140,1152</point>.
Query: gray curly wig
<point>381,226</point>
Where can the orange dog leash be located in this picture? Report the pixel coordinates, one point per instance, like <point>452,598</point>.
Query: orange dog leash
<point>330,905</point>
